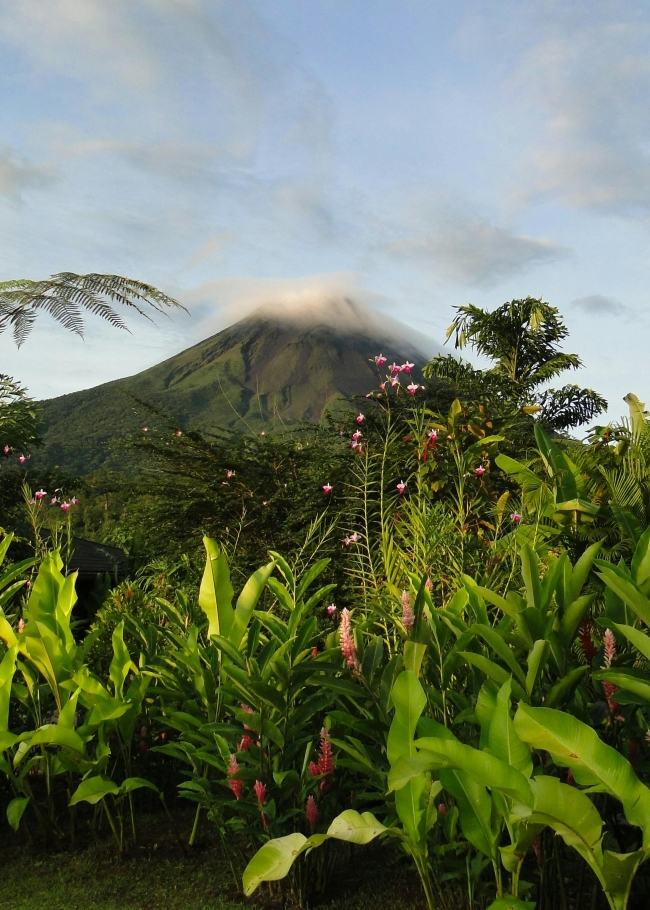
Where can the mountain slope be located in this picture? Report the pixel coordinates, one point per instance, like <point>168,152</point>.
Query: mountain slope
<point>270,370</point>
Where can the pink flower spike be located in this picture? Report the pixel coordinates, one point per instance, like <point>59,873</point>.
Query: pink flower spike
<point>65,506</point>
<point>331,610</point>
<point>311,812</point>
<point>407,367</point>
<point>360,418</point>
<point>327,488</point>
<point>515,517</point>
<point>260,792</point>
<point>245,744</point>
<point>413,387</point>
<point>380,360</point>
<point>408,616</point>
<point>346,638</point>
<point>480,470</point>
<point>401,486</point>
<point>609,648</point>
<point>22,459</point>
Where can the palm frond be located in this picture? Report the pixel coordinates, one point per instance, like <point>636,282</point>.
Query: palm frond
<point>66,296</point>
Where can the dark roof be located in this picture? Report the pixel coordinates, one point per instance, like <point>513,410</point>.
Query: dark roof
<point>90,558</point>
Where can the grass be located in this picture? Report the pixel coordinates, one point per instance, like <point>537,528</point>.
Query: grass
<point>158,875</point>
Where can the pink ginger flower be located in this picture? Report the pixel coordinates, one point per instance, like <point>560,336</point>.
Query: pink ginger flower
<point>21,626</point>
<point>515,517</point>
<point>325,765</point>
<point>348,647</point>
<point>380,360</point>
<point>311,812</point>
<point>395,368</point>
<point>327,488</point>
<point>360,418</point>
<point>428,585</point>
<point>22,459</point>
<point>245,744</point>
<point>407,367</point>
<point>260,792</point>
<point>236,786</point>
<point>39,494</point>
<point>480,470</point>
<point>413,387</point>
<point>331,610</point>
<point>609,647</point>
<point>408,616</point>
<point>401,486</point>
<point>65,506</point>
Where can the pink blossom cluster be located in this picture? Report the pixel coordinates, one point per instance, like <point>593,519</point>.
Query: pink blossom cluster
<point>235,784</point>
<point>64,504</point>
<point>351,538</point>
<point>394,371</point>
<point>346,638</point>
<point>324,767</point>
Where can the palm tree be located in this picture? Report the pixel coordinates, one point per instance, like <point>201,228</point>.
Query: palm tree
<point>522,339</point>
<point>65,296</point>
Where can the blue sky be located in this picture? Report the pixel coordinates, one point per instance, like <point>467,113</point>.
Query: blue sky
<point>412,153</point>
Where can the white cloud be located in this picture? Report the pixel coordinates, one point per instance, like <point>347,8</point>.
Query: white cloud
<point>17,174</point>
<point>475,252</point>
<point>600,305</point>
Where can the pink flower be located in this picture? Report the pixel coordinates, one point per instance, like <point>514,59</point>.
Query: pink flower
<point>21,626</point>
<point>178,433</point>
<point>355,537</point>
<point>346,638</point>
<point>65,506</point>
<point>394,381</point>
<point>6,450</point>
<point>407,367</point>
<point>609,647</point>
<point>236,786</point>
<point>32,502</point>
<point>22,459</point>
<point>360,418</point>
<point>53,501</point>
<point>413,387</point>
<point>428,585</point>
<point>354,443</point>
<point>442,809</point>
<point>515,517</point>
<point>245,744</point>
<point>408,617</point>
<point>380,360</point>
<point>327,488</point>
<point>28,584</point>
<point>401,486</point>
<point>331,610</point>
<point>74,501</point>
<point>357,434</point>
<point>311,811</point>
<point>433,435</point>
<point>260,792</point>
<point>39,494</point>
<point>346,541</point>
<point>229,474</point>
<point>480,470</point>
<point>395,368</point>
<point>610,690</point>
<point>145,429</point>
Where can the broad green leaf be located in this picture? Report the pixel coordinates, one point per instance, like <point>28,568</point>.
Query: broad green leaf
<point>627,591</point>
<point>640,566</point>
<point>216,593</point>
<point>15,810</point>
<point>493,671</point>
<point>536,663</point>
<point>355,827</point>
<point>247,601</point>
<point>564,687</point>
<point>475,810</point>
<point>636,637</point>
<point>413,656</point>
<point>511,903</point>
<point>530,575</point>
<point>93,789</point>
<point>502,737</point>
<point>409,700</point>
<point>500,648</point>
<point>272,861</point>
<point>628,681</point>
<point>578,746</point>
<point>137,783</point>
<point>7,670</point>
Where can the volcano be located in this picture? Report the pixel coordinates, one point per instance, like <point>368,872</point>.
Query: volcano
<point>275,369</point>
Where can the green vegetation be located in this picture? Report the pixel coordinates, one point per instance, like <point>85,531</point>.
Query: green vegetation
<point>418,633</point>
